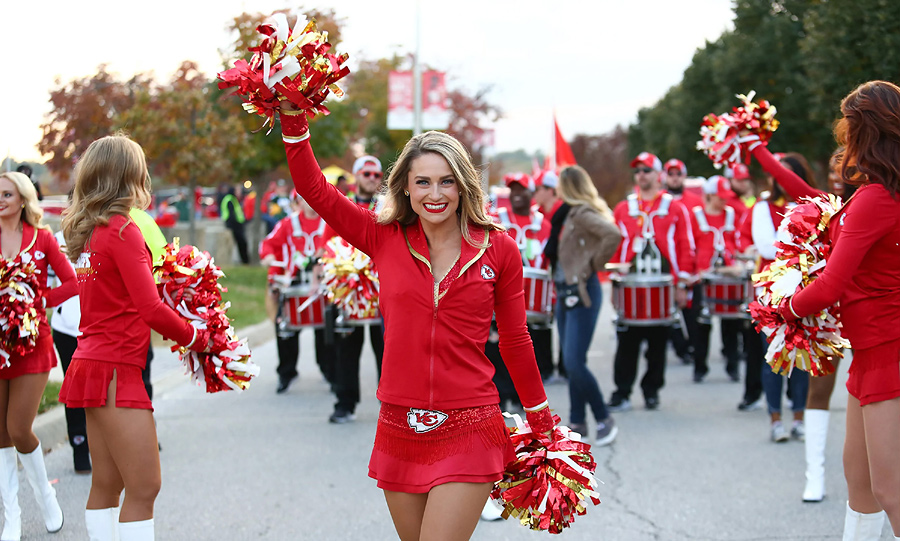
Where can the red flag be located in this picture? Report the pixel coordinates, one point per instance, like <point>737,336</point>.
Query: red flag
<point>564,154</point>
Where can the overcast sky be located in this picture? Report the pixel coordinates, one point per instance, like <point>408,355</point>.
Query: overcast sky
<point>595,62</point>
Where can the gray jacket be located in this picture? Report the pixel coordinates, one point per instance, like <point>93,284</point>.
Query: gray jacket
<point>587,242</point>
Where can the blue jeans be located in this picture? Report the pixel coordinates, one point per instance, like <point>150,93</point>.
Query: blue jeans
<point>773,383</point>
<point>576,329</point>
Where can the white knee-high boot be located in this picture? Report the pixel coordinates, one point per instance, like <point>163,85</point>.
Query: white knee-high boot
<point>816,422</point>
<point>9,493</point>
<point>44,492</point>
<point>102,524</point>
<point>141,530</point>
<point>862,526</point>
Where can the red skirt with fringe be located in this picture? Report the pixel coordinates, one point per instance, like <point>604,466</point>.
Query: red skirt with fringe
<point>41,360</point>
<point>417,450</point>
<point>875,373</point>
<point>87,382</point>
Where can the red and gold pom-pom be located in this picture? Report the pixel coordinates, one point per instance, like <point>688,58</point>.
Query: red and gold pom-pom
<point>722,135</point>
<point>812,342</point>
<point>550,480</point>
<point>19,318</point>
<point>350,280</point>
<point>186,268</point>
<point>288,64</point>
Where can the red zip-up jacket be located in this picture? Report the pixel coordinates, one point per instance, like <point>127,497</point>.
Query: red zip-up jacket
<point>670,226</point>
<point>434,334</point>
<point>863,270</point>
<point>119,299</point>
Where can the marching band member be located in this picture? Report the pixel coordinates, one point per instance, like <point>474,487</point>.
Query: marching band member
<point>649,220</point>
<point>444,268</point>
<point>289,252</point>
<point>685,346</point>
<point>22,382</point>
<point>348,345</point>
<point>715,224</point>
<point>743,187</point>
<point>528,226</point>
<point>549,204</point>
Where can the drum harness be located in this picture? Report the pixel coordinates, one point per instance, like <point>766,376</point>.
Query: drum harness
<point>521,232</point>
<point>648,259</point>
<point>291,263</point>
<point>718,234</point>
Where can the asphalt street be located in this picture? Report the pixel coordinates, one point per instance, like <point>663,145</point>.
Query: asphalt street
<point>257,465</point>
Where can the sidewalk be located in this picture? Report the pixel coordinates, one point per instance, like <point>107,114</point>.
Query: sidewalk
<point>257,465</point>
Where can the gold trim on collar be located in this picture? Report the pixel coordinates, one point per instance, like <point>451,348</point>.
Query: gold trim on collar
<point>477,256</point>
<point>32,243</point>
<point>416,254</point>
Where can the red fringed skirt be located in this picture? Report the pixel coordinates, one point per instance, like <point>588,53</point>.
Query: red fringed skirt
<point>875,373</point>
<point>87,382</point>
<point>41,360</point>
<point>417,450</point>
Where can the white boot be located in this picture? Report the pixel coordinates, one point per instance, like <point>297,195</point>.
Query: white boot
<point>43,490</point>
<point>9,492</point>
<point>141,530</point>
<point>102,524</point>
<point>862,526</point>
<point>816,422</point>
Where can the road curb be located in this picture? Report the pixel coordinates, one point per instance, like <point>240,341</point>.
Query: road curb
<point>50,426</point>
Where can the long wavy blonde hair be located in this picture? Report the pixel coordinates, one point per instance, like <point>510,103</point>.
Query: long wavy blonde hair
<point>471,197</point>
<point>110,178</point>
<point>32,213</point>
<point>577,188</point>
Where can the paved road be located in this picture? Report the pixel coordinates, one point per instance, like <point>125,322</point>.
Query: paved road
<point>265,466</point>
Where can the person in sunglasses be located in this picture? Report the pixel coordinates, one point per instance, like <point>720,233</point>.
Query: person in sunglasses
<point>348,345</point>
<point>649,217</point>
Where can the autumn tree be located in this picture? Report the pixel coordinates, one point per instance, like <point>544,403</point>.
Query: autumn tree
<point>185,133</point>
<point>605,158</point>
<point>468,115</point>
<point>83,110</point>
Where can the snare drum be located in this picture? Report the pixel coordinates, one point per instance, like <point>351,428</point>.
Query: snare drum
<point>727,296</point>
<point>539,295</point>
<point>643,300</point>
<point>292,318</point>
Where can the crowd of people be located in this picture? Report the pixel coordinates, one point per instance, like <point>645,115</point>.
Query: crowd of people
<point>470,291</point>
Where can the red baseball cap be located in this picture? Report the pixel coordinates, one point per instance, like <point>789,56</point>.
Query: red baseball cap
<point>740,172</point>
<point>547,179</point>
<point>677,164</point>
<point>650,160</point>
<point>521,178</point>
<point>718,185</point>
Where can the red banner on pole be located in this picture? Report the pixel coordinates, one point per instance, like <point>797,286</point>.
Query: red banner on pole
<point>435,113</point>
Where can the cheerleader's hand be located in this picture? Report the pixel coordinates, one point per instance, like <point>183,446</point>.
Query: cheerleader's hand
<point>294,123</point>
<point>540,420</point>
<point>749,140</point>
<point>206,342</point>
<point>786,311</point>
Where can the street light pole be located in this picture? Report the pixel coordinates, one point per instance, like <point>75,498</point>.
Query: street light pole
<point>417,74</point>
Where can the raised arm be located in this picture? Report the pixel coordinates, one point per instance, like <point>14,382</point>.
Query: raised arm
<point>355,224</point>
<point>787,179</point>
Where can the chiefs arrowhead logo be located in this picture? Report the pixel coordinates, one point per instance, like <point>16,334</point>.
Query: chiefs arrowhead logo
<point>487,273</point>
<point>425,420</point>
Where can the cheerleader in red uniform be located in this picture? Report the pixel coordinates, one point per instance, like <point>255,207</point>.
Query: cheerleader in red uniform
<point>22,382</point>
<point>862,273</point>
<point>120,303</point>
<point>444,268</point>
